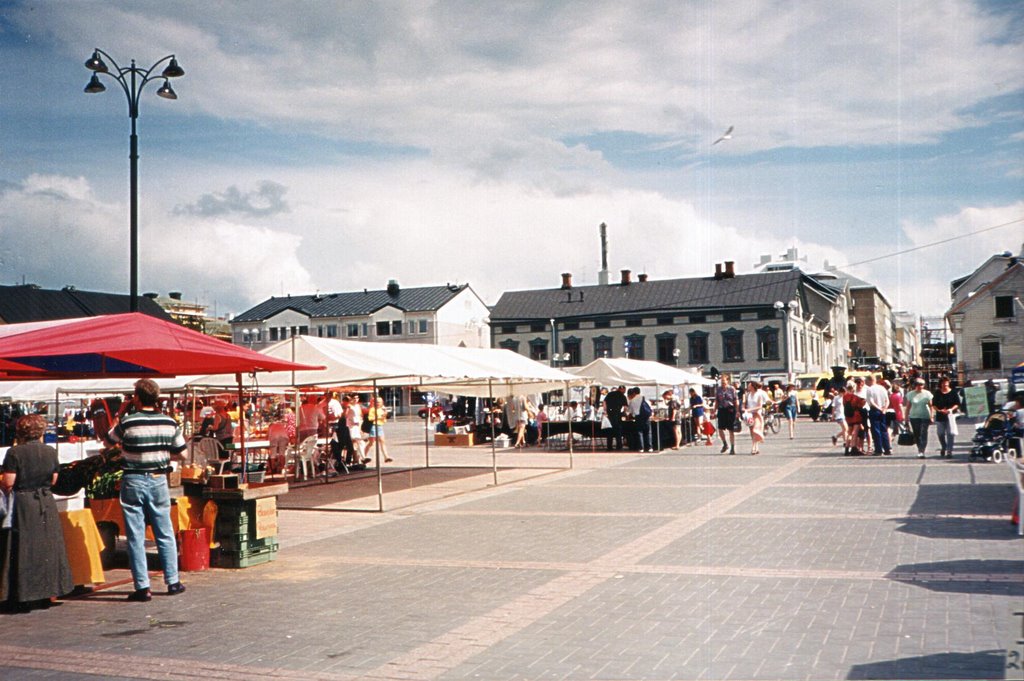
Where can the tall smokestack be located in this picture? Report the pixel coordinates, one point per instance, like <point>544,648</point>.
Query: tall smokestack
<point>602,276</point>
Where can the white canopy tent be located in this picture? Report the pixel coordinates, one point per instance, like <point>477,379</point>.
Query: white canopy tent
<point>476,372</point>
<point>630,372</point>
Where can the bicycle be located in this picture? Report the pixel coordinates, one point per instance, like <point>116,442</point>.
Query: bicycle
<point>772,418</point>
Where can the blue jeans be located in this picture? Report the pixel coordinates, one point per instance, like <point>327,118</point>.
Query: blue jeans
<point>146,499</point>
<point>879,431</point>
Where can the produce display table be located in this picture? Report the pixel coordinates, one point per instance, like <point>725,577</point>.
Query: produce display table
<point>246,524</point>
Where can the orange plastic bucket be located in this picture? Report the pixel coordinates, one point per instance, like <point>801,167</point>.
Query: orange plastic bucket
<point>194,555</point>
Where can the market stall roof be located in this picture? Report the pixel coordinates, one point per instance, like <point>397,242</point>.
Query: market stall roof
<point>621,371</point>
<point>122,345</point>
<point>44,391</point>
<point>465,371</point>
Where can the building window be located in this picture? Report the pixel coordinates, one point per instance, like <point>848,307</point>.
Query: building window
<point>634,321</point>
<point>666,348</point>
<point>537,327</point>
<point>423,326</point>
<point>273,333</point>
<point>603,347</point>
<point>990,358</point>
<point>730,316</point>
<point>666,321</point>
<point>767,343</point>
<point>509,344</point>
<point>508,328</point>
<point>571,347</point>
<point>332,330</point>
<point>698,319</point>
<point>396,328</point>
<point>571,326</point>
<point>634,346</point>
<point>732,346</point>
<point>603,324</point>
<point>539,350</point>
<point>303,330</point>
<point>352,331</point>
<point>383,328</point>
<point>1004,307</point>
<point>767,314</point>
<point>698,346</point>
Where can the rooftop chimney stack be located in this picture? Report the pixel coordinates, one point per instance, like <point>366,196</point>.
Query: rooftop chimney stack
<point>393,288</point>
<point>625,277</point>
<point>174,295</point>
<point>602,276</point>
<point>730,271</point>
<point>718,270</point>
<point>566,280</point>
<point>642,277</point>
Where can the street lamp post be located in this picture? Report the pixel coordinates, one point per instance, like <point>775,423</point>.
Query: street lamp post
<point>785,310</point>
<point>133,80</point>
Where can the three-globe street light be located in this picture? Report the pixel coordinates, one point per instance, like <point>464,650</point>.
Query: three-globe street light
<point>132,80</point>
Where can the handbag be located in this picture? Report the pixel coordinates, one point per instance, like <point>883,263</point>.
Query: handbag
<point>906,437</point>
<point>367,424</point>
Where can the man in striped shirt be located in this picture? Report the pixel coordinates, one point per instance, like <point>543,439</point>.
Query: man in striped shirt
<point>147,439</point>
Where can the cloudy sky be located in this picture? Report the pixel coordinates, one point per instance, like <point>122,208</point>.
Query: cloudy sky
<point>332,146</point>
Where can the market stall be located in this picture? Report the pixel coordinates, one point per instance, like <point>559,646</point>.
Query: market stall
<point>132,346</point>
<point>479,372</point>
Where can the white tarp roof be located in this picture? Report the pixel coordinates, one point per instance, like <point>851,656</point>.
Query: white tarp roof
<point>463,371</point>
<point>630,372</point>
<point>45,391</point>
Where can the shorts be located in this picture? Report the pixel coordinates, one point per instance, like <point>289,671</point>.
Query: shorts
<point>790,412</point>
<point>726,419</point>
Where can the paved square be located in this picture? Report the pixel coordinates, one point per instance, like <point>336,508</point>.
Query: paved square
<point>796,564</point>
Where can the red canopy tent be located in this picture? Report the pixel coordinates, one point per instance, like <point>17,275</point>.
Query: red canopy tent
<point>123,345</point>
<point>120,345</point>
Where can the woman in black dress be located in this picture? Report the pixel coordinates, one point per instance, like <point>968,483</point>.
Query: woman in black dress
<point>33,561</point>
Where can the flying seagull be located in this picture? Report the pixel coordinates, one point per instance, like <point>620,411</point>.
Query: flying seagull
<point>727,135</point>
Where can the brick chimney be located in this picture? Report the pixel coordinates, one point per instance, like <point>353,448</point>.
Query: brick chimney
<point>625,277</point>
<point>642,277</point>
<point>718,270</point>
<point>730,271</point>
<point>566,280</point>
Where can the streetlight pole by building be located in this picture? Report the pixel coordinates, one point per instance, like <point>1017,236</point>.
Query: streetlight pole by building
<point>785,310</point>
<point>133,80</point>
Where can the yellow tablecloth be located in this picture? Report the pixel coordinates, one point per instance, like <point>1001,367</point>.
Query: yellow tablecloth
<point>186,513</point>
<point>83,544</point>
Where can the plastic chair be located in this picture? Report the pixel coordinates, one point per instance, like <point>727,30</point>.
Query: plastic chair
<point>208,451</point>
<point>305,455</point>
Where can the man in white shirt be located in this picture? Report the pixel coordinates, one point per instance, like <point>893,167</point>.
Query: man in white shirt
<point>877,398</point>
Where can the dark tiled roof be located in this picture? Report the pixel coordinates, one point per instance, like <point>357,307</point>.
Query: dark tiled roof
<point>705,293</point>
<point>356,303</point>
<point>29,303</point>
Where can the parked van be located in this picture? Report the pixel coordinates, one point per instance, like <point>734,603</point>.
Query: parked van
<point>809,385</point>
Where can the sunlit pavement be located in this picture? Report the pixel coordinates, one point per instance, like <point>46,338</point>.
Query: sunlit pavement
<point>799,563</point>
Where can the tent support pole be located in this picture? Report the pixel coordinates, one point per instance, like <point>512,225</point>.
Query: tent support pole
<point>376,447</point>
<point>570,428</point>
<point>426,429</point>
<point>241,430</point>
<point>494,450</point>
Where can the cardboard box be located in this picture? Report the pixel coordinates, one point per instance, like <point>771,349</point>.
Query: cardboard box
<point>226,481</point>
<point>453,440</point>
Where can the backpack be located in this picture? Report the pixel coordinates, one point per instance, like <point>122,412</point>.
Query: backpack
<point>645,410</point>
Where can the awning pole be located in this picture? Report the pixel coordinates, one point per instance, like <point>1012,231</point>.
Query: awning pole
<point>426,427</point>
<point>494,450</point>
<point>570,428</point>
<point>376,447</point>
<point>241,430</point>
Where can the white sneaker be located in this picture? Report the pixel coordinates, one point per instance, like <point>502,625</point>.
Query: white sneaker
<point>920,455</point>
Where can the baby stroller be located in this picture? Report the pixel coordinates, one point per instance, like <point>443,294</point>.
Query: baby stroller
<point>992,438</point>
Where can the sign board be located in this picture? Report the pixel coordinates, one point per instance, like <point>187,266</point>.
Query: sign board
<point>266,517</point>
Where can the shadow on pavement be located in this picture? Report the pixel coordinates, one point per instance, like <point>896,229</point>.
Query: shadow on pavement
<point>985,664</point>
<point>972,576</point>
<point>988,529</point>
<point>963,499</point>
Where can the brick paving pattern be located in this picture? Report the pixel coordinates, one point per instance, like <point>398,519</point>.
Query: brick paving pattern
<point>796,564</point>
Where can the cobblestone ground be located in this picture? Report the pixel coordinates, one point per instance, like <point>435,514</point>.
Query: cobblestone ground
<point>796,564</point>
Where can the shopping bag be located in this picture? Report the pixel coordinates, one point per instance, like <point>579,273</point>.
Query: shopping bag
<point>953,430</point>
